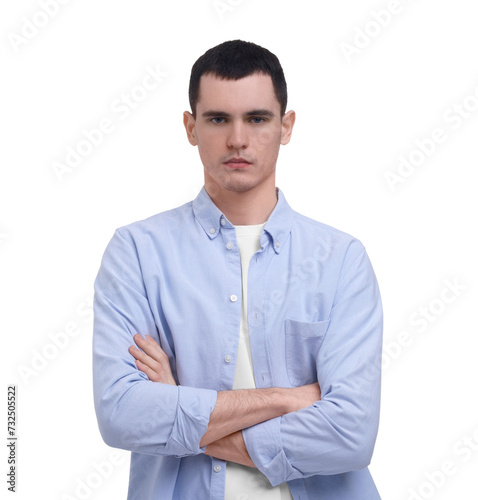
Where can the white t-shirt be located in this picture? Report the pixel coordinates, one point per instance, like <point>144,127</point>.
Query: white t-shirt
<point>248,483</point>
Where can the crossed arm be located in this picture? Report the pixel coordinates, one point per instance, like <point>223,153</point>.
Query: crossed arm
<point>234,410</point>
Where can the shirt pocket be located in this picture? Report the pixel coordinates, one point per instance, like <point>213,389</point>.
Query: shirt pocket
<point>302,343</point>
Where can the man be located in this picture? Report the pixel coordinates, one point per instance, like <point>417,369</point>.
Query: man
<point>258,330</point>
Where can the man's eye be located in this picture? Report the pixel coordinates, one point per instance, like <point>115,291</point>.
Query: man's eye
<point>217,119</point>
<point>257,119</point>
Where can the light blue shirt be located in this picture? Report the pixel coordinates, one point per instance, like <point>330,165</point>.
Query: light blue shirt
<point>314,314</point>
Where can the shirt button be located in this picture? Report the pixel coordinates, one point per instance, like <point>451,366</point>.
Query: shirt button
<point>277,244</point>
<point>217,468</point>
<point>228,245</point>
<point>228,359</point>
<point>223,221</point>
<point>233,298</point>
<point>212,230</point>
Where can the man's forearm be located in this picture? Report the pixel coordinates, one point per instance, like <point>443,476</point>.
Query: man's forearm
<point>234,410</point>
<point>238,409</point>
<point>231,448</point>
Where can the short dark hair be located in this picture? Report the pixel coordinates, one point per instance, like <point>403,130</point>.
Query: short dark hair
<point>234,60</point>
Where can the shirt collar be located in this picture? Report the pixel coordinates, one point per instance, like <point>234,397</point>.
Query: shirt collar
<point>278,224</point>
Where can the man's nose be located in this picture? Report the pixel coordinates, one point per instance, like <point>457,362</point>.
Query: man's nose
<point>237,138</point>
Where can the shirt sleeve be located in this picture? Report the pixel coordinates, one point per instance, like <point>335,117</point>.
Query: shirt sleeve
<point>134,413</point>
<point>336,434</point>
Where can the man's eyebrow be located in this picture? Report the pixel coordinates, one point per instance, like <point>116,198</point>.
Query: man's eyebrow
<point>212,113</point>
<point>260,112</point>
<point>255,112</point>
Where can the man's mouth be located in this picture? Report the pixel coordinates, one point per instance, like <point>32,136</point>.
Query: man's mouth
<point>237,163</point>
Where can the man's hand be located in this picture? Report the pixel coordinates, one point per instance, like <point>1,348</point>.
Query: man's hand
<point>234,410</point>
<point>301,397</point>
<point>152,360</point>
<point>231,448</point>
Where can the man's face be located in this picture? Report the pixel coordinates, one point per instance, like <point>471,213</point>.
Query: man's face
<point>238,131</point>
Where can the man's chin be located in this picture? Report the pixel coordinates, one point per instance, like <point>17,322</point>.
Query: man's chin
<point>237,182</point>
<point>241,187</point>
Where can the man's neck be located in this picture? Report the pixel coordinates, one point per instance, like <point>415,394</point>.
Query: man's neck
<point>244,208</point>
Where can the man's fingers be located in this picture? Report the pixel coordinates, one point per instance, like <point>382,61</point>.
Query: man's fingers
<point>152,360</point>
<point>152,375</point>
<point>154,345</point>
<point>151,347</point>
<point>144,358</point>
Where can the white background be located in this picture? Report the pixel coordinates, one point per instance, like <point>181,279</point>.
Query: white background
<point>356,116</point>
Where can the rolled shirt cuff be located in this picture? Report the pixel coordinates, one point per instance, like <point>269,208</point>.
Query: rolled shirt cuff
<point>263,442</point>
<point>193,412</point>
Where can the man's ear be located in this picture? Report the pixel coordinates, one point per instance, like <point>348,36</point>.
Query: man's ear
<point>190,126</point>
<point>288,121</point>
